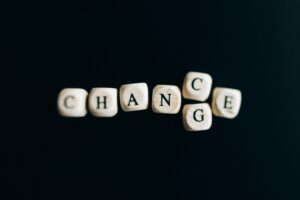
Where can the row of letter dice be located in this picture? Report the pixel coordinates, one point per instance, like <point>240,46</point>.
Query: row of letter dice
<point>103,102</point>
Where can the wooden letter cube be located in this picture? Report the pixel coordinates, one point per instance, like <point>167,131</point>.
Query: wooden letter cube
<point>197,86</point>
<point>197,117</point>
<point>166,99</point>
<point>103,102</point>
<point>226,102</point>
<point>134,97</point>
<point>71,102</point>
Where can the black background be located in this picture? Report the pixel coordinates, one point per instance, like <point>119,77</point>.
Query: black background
<point>249,45</point>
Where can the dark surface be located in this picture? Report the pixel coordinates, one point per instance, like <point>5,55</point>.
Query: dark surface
<point>249,45</point>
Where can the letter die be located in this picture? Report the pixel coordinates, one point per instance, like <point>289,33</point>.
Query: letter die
<point>197,117</point>
<point>103,102</point>
<point>197,86</point>
<point>166,99</point>
<point>226,102</point>
<point>134,97</point>
<point>71,102</point>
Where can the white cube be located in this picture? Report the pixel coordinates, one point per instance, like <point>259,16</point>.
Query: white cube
<point>71,102</point>
<point>134,97</point>
<point>197,86</point>
<point>166,99</point>
<point>197,117</point>
<point>226,102</point>
<point>103,102</point>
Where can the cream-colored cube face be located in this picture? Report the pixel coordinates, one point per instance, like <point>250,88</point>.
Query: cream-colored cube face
<point>134,97</point>
<point>71,102</point>
<point>103,102</point>
<point>226,102</point>
<point>197,86</point>
<point>197,117</point>
<point>166,99</point>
